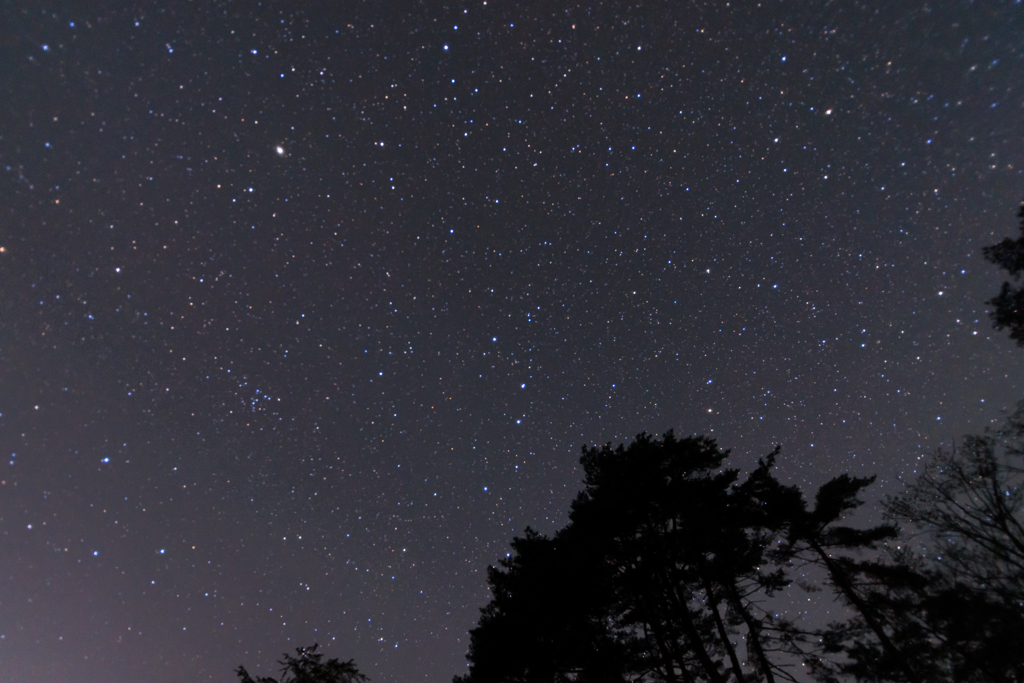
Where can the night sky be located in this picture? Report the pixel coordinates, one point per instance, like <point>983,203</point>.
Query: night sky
<point>307,308</point>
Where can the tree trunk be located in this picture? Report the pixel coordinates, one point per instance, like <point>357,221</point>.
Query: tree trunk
<point>719,624</point>
<point>652,629</point>
<point>842,582</point>
<point>753,630</point>
<point>691,633</point>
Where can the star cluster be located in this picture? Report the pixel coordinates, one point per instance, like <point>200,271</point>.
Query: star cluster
<point>307,308</point>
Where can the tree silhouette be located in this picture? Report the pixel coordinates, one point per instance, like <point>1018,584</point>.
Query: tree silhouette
<point>307,666</point>
<point>1008,305</point>
<point>655,578</point>
<point>966,509</point>
<point>545,621</point>
<point>870,644</point>
<point>687,547</point>
<point>662,571</point>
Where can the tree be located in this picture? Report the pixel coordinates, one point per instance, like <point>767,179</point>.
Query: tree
<point>307,666</point>
<point>864,646</point>
<point>661,572</point>
<point>655,578</point>
<point>871,644</point>
<point>545,621</point>
<point>1008,305</point>
<point>966,510</point>
<point>686,548</point>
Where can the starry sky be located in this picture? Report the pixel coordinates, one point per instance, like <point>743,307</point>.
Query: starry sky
<point>306,308</point>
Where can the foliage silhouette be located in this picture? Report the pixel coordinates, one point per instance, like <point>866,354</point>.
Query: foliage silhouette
<point>1008,305</point>
<point>664,568</point>
<point>307,666</point>
<point>966,510</point>
<point>659,576</point>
